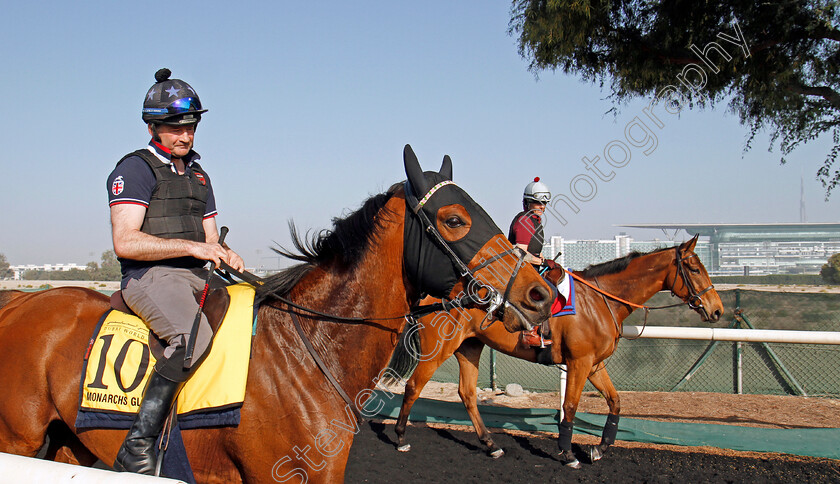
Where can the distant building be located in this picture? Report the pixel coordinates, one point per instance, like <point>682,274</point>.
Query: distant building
<point>20,270</point>
<point>779,248</point>
<point>730,249</point>
<point>578,254</point>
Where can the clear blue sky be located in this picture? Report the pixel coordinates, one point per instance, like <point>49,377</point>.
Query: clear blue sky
<point>310,106</point>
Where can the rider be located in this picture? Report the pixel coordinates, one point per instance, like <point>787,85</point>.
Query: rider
<point>526,229</point>
<point>526,233</point>
<point>164,231</point>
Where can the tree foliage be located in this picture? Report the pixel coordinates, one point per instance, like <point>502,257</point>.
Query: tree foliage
<point>830,271</point>
<point>5,271</point>
<point>785,81</point>
<point>108,271</point>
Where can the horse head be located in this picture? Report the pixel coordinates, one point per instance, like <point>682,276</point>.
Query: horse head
<point>454,250</point>
<point>692,284</point>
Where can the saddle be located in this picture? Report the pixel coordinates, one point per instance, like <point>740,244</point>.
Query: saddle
<point>215,307</point>
<point>555,276</point>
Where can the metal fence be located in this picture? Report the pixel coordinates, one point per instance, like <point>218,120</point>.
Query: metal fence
<point>722,367</point>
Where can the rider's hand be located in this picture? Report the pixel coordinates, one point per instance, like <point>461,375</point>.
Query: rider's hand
<point>550,264</point>
<point>232,259</point>
<point>212,252</point>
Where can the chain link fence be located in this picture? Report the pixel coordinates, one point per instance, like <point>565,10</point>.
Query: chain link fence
<point>663,365</point>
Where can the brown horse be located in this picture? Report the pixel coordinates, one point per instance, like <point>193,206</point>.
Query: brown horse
<point>582,341</point>
<point>367,273</point>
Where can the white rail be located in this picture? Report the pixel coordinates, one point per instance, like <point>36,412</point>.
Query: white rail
<point>730,334</point>
<point>25,470</point>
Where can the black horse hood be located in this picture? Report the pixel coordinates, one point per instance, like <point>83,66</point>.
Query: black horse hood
<point>429,266</point>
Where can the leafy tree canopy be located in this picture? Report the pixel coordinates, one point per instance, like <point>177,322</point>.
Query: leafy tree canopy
<point>830,271</point>
<point>5,271</point>
<point>108,271</point>
<point>777,62</point>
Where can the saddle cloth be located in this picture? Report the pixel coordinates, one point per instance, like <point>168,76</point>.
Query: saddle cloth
<point>118,363</point>
<point>564,305</point>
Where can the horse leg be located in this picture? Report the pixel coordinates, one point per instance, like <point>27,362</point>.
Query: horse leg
<point>601,380</point>
<point>413,387</point>
<point>65,447</point>
<point>23,428</point>
<point>577,373</point>
<point>469,354</point>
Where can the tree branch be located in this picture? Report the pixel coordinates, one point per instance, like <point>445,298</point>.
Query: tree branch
<point>828,33</point>
<point>824,92</point>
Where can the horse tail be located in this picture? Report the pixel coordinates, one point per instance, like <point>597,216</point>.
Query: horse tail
<point>406,354</point>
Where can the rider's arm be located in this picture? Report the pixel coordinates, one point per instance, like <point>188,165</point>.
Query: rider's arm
<point>529,257</point>
<point>131,243</point>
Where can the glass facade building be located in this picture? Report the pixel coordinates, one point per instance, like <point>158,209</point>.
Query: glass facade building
<point>725,249</point>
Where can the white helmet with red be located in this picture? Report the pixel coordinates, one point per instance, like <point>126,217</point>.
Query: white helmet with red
<point>536,191</point>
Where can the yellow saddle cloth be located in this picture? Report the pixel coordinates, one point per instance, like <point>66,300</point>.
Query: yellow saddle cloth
<point>119,362</point>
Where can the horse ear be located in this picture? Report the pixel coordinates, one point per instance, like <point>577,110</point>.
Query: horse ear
<point>446,167</point>
<point>691,243</point>
<point>414,172</point>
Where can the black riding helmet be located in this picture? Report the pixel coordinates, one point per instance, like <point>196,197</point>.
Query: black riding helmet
<point>171,101</point>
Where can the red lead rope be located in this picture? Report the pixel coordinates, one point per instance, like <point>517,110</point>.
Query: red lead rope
<point>611,296</point>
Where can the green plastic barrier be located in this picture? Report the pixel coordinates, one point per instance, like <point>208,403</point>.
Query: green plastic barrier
<point>808,442</point>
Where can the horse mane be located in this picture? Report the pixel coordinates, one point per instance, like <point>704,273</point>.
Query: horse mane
<point>8,295</point>
<point>345,245</point>
<point>616,265</point>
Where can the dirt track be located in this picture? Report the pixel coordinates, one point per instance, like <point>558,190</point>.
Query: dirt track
<point>765,411</point>
<point>446,453</point>
<point>443,455</point>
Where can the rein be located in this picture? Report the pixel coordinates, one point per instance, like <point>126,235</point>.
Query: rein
<point>326,371</point>
<point>492,298</point>
<point>693,295</point>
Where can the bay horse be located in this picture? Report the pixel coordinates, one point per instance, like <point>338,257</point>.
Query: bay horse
<point>350,295</point>
<point>582,341</point>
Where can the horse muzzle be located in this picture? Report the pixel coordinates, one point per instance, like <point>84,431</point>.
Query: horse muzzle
<point>531,311</point>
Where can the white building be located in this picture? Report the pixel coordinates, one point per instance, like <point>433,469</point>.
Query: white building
<point>730,249</point>
<point>578,254</point>
<point>20,270</point>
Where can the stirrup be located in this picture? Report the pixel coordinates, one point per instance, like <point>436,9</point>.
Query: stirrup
<point>534,338</point>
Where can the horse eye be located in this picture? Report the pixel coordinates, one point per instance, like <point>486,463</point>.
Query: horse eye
<point>454,222</point>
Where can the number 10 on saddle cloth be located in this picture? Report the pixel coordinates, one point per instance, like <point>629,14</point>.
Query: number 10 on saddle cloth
<point>120,361</point>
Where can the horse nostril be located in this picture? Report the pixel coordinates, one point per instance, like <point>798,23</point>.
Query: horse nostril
<point>536,295</point>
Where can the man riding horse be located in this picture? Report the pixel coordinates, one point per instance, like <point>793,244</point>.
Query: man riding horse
<point>164,231</point>
<point>526,233</point>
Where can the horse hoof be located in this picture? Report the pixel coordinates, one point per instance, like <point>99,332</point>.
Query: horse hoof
<point>569,460</point>
<point>497,453</point>
<point>404,448</point>
<point>595,453</point>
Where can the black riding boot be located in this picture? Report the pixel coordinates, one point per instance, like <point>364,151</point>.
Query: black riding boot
<point>137,453</point>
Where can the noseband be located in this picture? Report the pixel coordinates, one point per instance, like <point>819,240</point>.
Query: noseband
<point>494,302</point>
<point>693,300</point>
